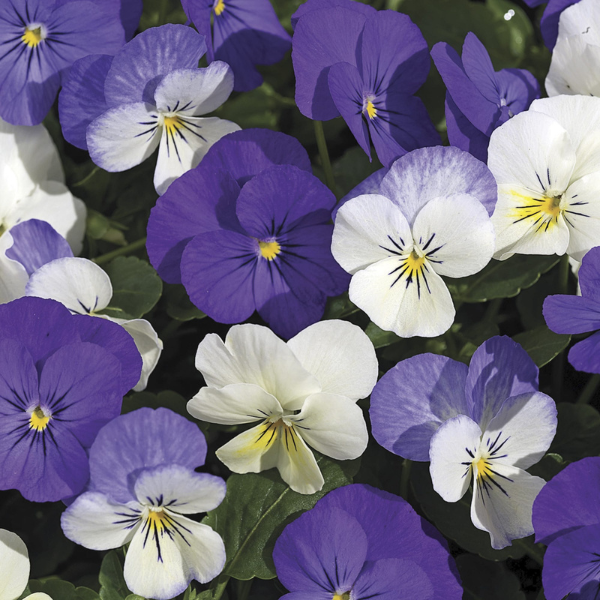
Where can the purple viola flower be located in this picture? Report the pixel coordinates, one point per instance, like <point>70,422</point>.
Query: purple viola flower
<point>245,33</point>
<point>364,65</point>
<point>360,542</point>
<point>245,231</point>
<point>566,517</point>
<point>479,99</point>
<point>550,18</point>
<point>41,40</point>
<point>62,377</point>
<point>485,423</point>
<point>580,314</point>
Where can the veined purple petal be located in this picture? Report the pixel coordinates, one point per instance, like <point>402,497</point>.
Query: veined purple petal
<point>311,5</point>
<point>585,355</point>
<point>463,134</point>
<point>18,379</point>
<point>518,87</point>
<point>37,243</point>
<point>589,274</point>
<point>479,68</point>
<point>550,19</point>
<point>571,314</point>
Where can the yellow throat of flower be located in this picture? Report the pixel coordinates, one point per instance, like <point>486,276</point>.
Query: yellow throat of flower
<point>32,37</point>
<point>219,7</point>
<point>344,596</point>
<point>38,420</point>
<point>158,520</point>
<point>483,468</point>
<point>371,110</point>
<point>269,250</point>
<point>172,124</point>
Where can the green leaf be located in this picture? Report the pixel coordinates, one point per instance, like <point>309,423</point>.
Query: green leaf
<point>179,306</point>
<point>353,168</point>
<point>256,509</point>
<point>379,337</point>
<point>62,590</point>
<point>339,307</point>
<point>542,344</point>
<point>501,279</point>
<point>550,465</point>
<point>112,582</point>
<point>164,399</point>
<point>485,580</point>
<point>578,432</point>
<point>136,287</point>
<point>258,108</point>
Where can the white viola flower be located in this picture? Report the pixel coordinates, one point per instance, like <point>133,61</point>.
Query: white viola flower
<point>430,219</point>
<point>85,288</point>
<point>301,393</point>
<point>14,568</point>
<point>546,163</point>
<point>575,66</point>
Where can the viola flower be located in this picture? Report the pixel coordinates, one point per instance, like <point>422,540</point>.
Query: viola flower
<point>580,314</point>
<point>245,33</point>
<point>566,517</point>
<point>63,377</point>
<point>428,219</point>
<point>479,99</point>
<point>142,487</point>
<point>14,568</point>
<point>365,65</point>
<point>273,234</point>
<point>360,542</point>
<point>150,95</point>
<point>548,179</point>
<point>41,40</point>
<point>301,393</point>
<point>482,425</point>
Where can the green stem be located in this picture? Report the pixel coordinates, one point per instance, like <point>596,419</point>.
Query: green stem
<point>243,589</point>
<point>559,364</point>
<point>322,145</point>
<point>589,390</point>
<point>218,591</point>
<point>87,178</point>
<point>405,478</point>
<point>493,309</point>
<point>100,260</point>
<point>563,275</point>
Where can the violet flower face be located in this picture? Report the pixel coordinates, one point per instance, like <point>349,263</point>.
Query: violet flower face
<point>580,314</point>
<point>359,542</point>
<point>257,237</point>
<point>62,377</point>
<point>364,65</point>
<point>42,39</point>
<point>479,99</point>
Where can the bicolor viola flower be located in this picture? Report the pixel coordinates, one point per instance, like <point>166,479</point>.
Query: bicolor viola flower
<point>150,95</point>
<point>580,314</point>
<point>430,218</point>
<point>481,425</point>
<point>14,568</point>
<point>479,99</point>
<point>245,33</point>
<point>41,40</point>
<point>545,163</point>
<point>78,283</point>
<point>566,517</point>
<point>359,542</point>
<point>63,377</point>
<point>364,65</point>
<point>298,394</point>
<point>576,56</point>
<point>273,235</point>
<point>142,488</point>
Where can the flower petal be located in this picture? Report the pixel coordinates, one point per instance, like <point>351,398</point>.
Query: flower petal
<point>297,465</point>
<point>585,355</point>
<point>14,565</point>
<point>571,314</point>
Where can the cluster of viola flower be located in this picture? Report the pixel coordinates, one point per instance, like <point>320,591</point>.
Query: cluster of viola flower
<point>243,224</point>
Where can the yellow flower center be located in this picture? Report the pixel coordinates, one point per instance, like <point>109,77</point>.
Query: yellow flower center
<point>32,37</point>
<point>172,124</point>
<point>158,520</point>
<point>414,262</point>
<point>344,596</point>
<point>219,7</point>
<point>371,110</point>
<point>543,212</point>
<point>269,250</point>
<point>38,420</point>
<point>483,468</point>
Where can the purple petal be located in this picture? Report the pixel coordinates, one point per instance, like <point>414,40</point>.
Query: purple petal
<point>479,69</point>
<point>323,550</point>
<point>322,39</point>
<point>463,134</point>
<point>248,152</point>
<point>37,243</point>
<point>518,87</point>
<point>585,355</point>
<point>200,13</point>
<point>589,275</point>
<point>569,501</point>
<point>199,201</point>
<point>571,314</point>
<point>312,5</point>
<point>139,67</point>
<point>139,440</point>
<point>550,19</point>
<point>413,399</point>
<point>81,99</point>
<point>18,378</point>
<point>499,369</point>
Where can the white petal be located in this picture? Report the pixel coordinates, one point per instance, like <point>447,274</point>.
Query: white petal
<point>588,154</point>
<point>180,489</point>
<point>452,450</point>
<point>254,354</point>
<point>581,19</point>
<point>503,506</point>
<point>583,215</point>
<point>94,521</point>
<point>574,68</point>
<point>340,355</point>
<point>162,564</point>
<point>78,283</point>
<point>13,276</point>
<point>195,92</point>
<point>522,430</point>
<point>297,465</point>
<point>148,343</point>
<point>14,565</point>
<point>184,145</point>
<point>234,404</point>
<point>368,229</point>
<point>333,425</point>
<point>422,307</point>
<point>124,136</point>
<point>38,596</point>
<point>461,228</point>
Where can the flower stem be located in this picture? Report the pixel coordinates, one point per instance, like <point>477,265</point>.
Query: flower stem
<point>100,260</point>
<point>322,145</point>
<point>87,178</point>
<point>218,591</point>
<point>243,589</point>
<point>589,390</point>
<point>405,478</point>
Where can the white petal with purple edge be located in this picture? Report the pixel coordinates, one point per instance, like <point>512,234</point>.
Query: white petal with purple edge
<point>14,565</point>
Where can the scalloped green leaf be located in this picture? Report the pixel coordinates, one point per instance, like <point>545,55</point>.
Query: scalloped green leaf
<point>542,344</point>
